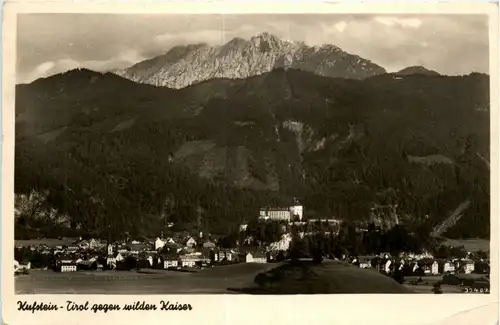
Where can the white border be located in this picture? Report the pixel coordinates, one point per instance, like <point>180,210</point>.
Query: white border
<point>240,309</point>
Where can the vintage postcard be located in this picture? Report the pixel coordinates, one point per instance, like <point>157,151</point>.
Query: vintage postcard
<point>242,163</point>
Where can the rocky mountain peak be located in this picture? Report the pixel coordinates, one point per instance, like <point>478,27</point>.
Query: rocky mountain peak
<point>266,39</point>
<point>183,66</point>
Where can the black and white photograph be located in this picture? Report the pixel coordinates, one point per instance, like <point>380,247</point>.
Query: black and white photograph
<point>252,154</point>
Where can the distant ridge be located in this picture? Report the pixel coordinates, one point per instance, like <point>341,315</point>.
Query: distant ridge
<point>417,70</point>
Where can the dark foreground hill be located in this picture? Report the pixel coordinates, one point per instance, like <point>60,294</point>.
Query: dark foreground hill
<point>325,278</point>
<point>113,152</point>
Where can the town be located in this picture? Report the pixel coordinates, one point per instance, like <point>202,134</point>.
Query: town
<point>276,235</point>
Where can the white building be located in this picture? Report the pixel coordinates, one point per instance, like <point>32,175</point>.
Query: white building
<point>255,257</point>
<point>415,267</point>
<point>469,267</point>
<point>191,260</point>
<point>170,263</point>
<point>387,266</point>
<point>435,268</point>
<point>275,214</point>
<point>94,243</point>
<point>188,262</point>
<point>294,212</point>
<point>190,242</point>
<point>448,267</point>
<point>68,268</point>
<point>159,243</point>
<point>297,212</point>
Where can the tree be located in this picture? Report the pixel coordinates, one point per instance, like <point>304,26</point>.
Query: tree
<point>318,247</point>
<point>399,276</point>
<point>280,256</point>
<point>298,248</point>
<point>437,288</point>
<point>129,263</point>
<point>265,231</point>
<point>261,279</point>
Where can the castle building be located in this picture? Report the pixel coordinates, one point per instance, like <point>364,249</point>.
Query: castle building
<point>275,214</point>
<point>294,212</point>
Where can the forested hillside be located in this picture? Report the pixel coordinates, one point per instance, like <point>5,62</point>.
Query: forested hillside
<point>113,152</point>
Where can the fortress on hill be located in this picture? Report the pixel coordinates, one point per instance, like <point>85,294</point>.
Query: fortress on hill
<point>294,212</point>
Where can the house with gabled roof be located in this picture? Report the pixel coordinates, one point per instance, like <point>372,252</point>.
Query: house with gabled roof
<point>94,243</point>
<point>253,256</point>
<point>190,242</point>
<point>159,243</point>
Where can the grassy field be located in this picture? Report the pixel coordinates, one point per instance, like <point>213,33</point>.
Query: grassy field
<point>428,282</point>
<point>471,245</point>
<point>214,280</point>
<point>329,277</point>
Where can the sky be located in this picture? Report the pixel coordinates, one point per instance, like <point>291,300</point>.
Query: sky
<point>52,43</point>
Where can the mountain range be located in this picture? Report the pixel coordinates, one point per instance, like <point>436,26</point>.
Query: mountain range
<point>182,66</point>
<point>343,138</point>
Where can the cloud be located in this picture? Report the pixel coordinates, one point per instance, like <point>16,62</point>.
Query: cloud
<point>209,36</point>
<point>50,43</point>
<point>340,26</point>
<point>44,68</point>
<point>401,22</point>
<point>125,59</point>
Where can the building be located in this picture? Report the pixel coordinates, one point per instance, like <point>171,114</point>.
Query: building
<point>94,243</point>
<point>191,260</point>
<point>469,267</point>
<point>86,265</point>
<point>170,260</point>
<point>275,214</point>
<point>190,242</point>
<point>387,266</point>
<point>188,261</point>
<point>253,257</point>
<point>159,243</point>
<point>365,262</point>
<point>71,267</point>
<point>435,268</point>
<point>446,267</point>
<point>415,267</point>
<point>150,257</point>
<point>297,212</point>
<point>137,248</point>
<point>219,255</point>
<point>72,249</point>
<point>84,244</point>
<point>65,263</point>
